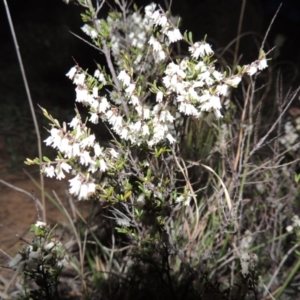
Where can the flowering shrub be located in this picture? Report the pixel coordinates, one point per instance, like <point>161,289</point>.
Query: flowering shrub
<point>144,95</point>
<point>143,99</point>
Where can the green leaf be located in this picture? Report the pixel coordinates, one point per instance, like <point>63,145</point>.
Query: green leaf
<point>46,159</point>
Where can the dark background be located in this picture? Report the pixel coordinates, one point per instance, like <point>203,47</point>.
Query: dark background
<point>48,51</point>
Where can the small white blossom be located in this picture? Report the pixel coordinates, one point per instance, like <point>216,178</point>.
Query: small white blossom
<point>124,77</point>
<point>88,30</point>
<point>66,167</point>
<point>171,139</point>
<point>262,64</point>
<point>82,94</point>
<point>72,73</point>
<point>94,118</point>
<point>100,76</point>
<point>114,153</point>
<point>159,96</point>
<point>85,158</point>
<point>130,89</point>
<point>200,49</point>
<point>49,171</point>
<point>145,130</point>
<point>149,9</point>
<point>88,141</point>
<point>75,184</point>
<point>40,224</point>
<point>233,81</point>
<point>83,193</point>
<point>104,105</point>
<point>174,35</point>
<point>159,19</point>
<point>97,150</point>
<point>103,165</point>
<point>252,70</point>
<point>59,173</point>
<point>155,44</point>
<point>222,89</point>
<point>75,121</point>
<point>79,79</point>
<point>64,145</point>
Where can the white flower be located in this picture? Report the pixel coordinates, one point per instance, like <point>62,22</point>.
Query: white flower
<point>222,89</point>
<point>91,188</point>
<point>170,138</point>
<point>95,92</point>
<point>124,133</point>
<point>100,76</point>
<point>103,165</point>
<point>166,116</point>
<point>72,73</point>
<point>65,166</point>
<point>82,94</point>
<point>85,158</point>
<point>146,112</point>
<point>159,96</point>
<point>233,81</point>
<point>162,21</point>
<point>114,153</point>
<point>201,49</point>
<point>104,105</point>
<point>55,139</point>
<point>159,56</point>
<point>134,100</point>
<point>130,89</point>
<point>79,79</point>
<point>75,150</point>
<point>88,141</point>
<point>187,109</point>
<point>213,103</point>
<point>155,44</point>
<point>252,70</point>
<point>174,35</point>
<point>75,121</point>
<point>94,118</point>
<point>145,130</point>
<point>262,64</point>
<point>59,173</point>
<point>124,77</point>
<point>40,224</point>
<point>97,150</point>
<point>159,19</point>
<point>75,184</point>
<point>149,10</point>
<point>49,171</point>
<point>218,76</point>
<point>83,193</point>
<point>88,30</point>
<point>64,145</point>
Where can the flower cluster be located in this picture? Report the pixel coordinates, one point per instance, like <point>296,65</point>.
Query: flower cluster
<point>143,98</point>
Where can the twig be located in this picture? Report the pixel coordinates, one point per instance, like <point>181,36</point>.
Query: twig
<point>24,192</point>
